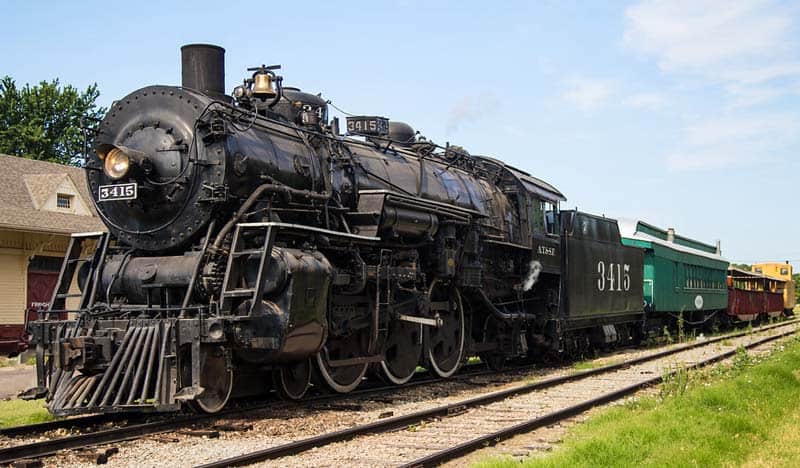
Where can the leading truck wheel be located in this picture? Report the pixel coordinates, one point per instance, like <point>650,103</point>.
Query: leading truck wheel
<point>216,378</point>
<point>446,342</point>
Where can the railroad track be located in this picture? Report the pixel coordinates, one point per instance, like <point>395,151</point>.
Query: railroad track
<point>160,426</point>
<point>432,436</point>
<point>94,421</point>
<point>90,436</point>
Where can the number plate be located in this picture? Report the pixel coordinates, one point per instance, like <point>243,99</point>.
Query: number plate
<point>367,125</point>
<point>117,192</point>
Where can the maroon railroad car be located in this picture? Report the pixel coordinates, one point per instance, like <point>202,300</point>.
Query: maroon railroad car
<point>753,296</point>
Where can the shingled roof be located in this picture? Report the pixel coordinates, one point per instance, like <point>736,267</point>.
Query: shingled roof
<point>25,184</point>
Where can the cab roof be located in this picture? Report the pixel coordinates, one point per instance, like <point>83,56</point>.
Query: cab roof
<point>532,184</point>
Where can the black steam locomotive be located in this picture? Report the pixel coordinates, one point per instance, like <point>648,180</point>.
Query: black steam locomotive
<point>251,246</point>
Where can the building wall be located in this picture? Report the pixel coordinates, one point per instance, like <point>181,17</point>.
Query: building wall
<point>13,292</point>
<point>16,249</point>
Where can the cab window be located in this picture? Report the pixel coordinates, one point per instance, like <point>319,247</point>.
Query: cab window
<point>544,216</point>
<point>551,218</point>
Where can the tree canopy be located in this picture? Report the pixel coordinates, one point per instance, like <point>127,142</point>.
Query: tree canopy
<point>44,121</point>
<point>796,278</point>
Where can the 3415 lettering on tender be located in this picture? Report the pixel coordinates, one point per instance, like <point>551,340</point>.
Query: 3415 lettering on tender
<point>613,276</point>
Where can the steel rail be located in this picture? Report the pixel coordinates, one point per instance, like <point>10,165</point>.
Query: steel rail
<point>303,445</point>
<point>565,413</point>
<point>136,431</point>
<point>88,420</point>
<point>82,422</point>
<point>67,423</point>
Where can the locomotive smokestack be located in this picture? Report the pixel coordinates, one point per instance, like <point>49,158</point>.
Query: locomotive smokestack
<point>203,69</point>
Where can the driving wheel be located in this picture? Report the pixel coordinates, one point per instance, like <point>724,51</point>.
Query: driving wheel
<point>445,342</point>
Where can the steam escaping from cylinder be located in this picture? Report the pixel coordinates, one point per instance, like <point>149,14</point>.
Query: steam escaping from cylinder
<point>534,268</point>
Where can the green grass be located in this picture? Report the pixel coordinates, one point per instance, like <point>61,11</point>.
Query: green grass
<point>17,412</point>
<point>715,417</point>
<point>585,365</point>
<point>7,362</point>
<point>594,364</point>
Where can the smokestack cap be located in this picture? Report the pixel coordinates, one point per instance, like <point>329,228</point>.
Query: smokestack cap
<point>203,69</point>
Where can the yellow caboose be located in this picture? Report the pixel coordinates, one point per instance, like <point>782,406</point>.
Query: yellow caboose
<point>784,272</point>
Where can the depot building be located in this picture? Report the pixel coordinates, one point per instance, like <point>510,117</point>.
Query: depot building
<point>41,205</point>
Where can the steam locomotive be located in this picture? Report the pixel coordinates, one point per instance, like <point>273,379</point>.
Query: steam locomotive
<point>252,246</point>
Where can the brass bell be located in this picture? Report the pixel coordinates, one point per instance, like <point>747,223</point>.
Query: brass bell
<point>262,86</point>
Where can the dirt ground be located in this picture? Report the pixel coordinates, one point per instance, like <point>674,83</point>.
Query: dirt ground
<point>16,378</point>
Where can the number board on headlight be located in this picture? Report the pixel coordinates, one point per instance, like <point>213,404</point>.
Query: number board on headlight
<point>117,192</point>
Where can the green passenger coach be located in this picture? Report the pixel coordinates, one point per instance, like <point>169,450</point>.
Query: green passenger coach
<point>682,277</point>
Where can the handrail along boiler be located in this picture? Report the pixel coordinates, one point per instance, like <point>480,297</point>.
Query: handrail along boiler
<point>251,246</point>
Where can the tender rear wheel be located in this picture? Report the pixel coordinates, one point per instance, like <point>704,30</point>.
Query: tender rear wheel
<point>446,343</point>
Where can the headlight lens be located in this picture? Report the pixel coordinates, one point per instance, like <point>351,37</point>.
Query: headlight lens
<point>117,164</point>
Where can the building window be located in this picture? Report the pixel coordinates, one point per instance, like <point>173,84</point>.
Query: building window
<point>64,201</point>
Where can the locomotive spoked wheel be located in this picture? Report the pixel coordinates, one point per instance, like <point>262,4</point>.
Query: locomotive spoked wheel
<point>446,343</point>
<point>215,377</point>
<point>342,379</point>
<point>403,351</point>
<point>292,380</point>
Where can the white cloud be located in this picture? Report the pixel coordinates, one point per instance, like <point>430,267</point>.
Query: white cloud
<point>749,96</point>
<point>694,35</point>
<point>746,50</point>
<point>588,93</point>
<point>648,101</point>
<point>735,141</point>
<point>740,44</point>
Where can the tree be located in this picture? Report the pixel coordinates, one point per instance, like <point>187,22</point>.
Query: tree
<point>44,121</point>
<point>796,278</point>
<point>741,266</point>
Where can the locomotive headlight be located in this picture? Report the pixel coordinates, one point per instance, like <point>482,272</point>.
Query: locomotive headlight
<point>116,164</point>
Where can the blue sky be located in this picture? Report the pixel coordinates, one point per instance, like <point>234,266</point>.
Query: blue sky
<point>684,113</point>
